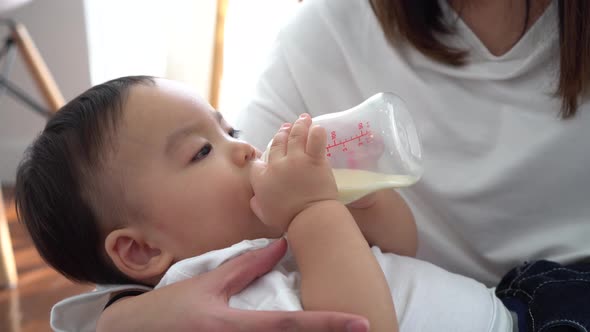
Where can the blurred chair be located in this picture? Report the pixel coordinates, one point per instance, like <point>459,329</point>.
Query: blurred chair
<point>8,277</point>
<point>18,39</point>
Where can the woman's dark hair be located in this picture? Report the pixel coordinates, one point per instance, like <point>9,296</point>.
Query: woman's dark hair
<point>419,21</point>
<point>57,174</point>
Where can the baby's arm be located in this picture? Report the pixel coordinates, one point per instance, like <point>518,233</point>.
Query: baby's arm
<point>387,222</point>
<point>338,270</point>
<point>296,191</point>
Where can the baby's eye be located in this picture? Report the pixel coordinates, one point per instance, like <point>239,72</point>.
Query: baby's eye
<point>205,150</point>
<point>234,133</point>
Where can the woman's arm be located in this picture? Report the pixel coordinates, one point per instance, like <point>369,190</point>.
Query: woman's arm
<point>200,304</point>
<point>386,221</point>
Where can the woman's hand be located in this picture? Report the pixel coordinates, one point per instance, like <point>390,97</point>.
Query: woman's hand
<point>201,304</point>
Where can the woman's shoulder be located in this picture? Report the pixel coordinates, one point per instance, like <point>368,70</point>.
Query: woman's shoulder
<point>341,17</point>
<point>324,33</point>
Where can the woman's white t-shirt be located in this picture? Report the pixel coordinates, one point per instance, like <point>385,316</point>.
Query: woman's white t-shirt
<point>506,180</point>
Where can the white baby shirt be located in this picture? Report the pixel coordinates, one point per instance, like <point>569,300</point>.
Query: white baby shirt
<point>426,297</point>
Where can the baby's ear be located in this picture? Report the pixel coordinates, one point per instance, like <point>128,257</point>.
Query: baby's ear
<point>133,255</point>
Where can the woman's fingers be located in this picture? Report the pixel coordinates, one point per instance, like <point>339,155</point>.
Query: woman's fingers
<point>308,321</point>
<point>237,273</point>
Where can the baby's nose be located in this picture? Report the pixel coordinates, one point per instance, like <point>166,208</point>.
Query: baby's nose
<point>243,153</point>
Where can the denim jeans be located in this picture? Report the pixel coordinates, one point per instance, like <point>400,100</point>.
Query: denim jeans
<point>548,297</point>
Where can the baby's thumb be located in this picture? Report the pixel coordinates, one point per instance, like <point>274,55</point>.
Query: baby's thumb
<point>258,167</point>
<point>256,174</point>
<point>256,207</point>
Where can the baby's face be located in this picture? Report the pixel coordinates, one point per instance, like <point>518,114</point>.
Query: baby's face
<point>183,171</point>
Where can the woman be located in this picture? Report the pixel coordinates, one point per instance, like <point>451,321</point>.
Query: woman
<point>499,123</point>
<point>498,90</point>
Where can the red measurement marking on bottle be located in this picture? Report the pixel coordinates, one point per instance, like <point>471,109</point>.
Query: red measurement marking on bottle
<point>366,134</point>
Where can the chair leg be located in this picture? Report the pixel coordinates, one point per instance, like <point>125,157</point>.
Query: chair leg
<point>37,67</point>
<point>8,277</point>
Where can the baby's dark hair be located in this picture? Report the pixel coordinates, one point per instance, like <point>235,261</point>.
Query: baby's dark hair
<point>57,177</point>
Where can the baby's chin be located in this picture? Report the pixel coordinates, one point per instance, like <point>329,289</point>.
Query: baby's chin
<point>276,233</point>
<point>263,230</point>
<point>269,231</point>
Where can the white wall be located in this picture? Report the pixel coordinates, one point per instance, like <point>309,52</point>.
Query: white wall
<point>58,29</point>
<point>250,30</point>
<point>191,37</point>
<point>172,38</point>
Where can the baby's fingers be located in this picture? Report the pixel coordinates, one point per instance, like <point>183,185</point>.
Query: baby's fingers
<point>298,136</point>
<point>278,147</point>
<point>316,142</point>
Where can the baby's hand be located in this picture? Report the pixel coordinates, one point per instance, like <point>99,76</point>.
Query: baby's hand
<point>296,176</point>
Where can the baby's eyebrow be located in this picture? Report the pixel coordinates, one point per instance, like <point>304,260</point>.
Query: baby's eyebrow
<point>218,116</point>
<point>177,135</point>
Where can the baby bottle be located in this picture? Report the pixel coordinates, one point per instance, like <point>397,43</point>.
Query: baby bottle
<point>372,146</point>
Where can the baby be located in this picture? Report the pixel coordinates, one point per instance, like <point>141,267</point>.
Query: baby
<point>138,183</point>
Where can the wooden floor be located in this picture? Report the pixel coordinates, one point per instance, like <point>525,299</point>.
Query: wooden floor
<point>26,308</point>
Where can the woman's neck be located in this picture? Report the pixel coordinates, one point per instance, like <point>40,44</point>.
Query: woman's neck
<point>499,24</point>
